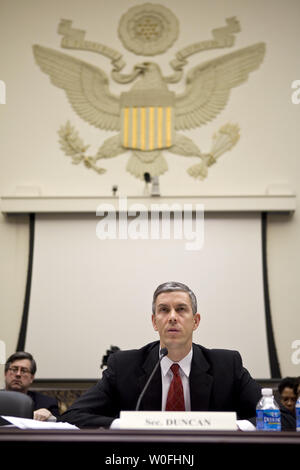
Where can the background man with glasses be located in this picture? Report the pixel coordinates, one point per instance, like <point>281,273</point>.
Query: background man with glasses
<point>20,369</point>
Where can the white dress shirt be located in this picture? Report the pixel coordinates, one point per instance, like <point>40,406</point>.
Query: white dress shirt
<point>167,376</point>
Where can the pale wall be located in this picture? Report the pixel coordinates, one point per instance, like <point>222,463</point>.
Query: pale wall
<point>266,154</point>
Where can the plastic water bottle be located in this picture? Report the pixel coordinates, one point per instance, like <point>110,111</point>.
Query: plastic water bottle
<point>267,412</point>
<point>298,414</point>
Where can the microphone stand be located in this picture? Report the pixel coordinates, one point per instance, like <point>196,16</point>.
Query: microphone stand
<point>163,353</point>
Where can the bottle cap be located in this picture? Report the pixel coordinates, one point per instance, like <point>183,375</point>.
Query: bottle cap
<point>267,392</point>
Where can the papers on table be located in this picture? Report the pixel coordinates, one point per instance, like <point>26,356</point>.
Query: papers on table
<point>24,423</point>
<point>245,425</point>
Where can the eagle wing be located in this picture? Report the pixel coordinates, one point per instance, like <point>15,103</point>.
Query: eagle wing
<point>208,85</point>
<point>85,85</point>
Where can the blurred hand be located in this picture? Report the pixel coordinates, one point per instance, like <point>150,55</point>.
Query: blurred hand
<point>42,414</point>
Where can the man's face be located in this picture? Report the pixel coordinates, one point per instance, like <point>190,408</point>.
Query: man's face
<point>18,377</point>
<point>288,398</point>
<point>174,320</point>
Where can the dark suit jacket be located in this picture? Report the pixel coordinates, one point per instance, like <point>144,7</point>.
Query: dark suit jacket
<point>44,401</point>
<point>218,382</point>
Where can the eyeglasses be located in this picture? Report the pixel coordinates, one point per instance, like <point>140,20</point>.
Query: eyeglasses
<point>23,370</point>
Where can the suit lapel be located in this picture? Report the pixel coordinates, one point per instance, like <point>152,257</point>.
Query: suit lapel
<point>200,381</point>
<point>153,396</point>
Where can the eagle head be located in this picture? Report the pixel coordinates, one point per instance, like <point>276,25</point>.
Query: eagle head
<point>150,76</point>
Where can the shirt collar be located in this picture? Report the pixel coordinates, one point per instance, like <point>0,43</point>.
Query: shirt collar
<point>185,364</point>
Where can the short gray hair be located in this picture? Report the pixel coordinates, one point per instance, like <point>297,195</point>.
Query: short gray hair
<point>172,286</point>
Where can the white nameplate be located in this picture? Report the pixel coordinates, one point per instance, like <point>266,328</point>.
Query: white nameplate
<point>197,420</point>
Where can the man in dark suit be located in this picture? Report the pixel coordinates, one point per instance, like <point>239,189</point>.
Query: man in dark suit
<point>212,379</point>
<point>20,369</point>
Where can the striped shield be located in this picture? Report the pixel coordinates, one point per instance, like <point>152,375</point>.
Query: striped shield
<point>147,119</point>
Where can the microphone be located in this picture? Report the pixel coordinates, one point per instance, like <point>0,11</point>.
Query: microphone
<point>162,353</point>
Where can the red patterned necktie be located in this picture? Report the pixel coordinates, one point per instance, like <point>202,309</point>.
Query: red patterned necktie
<point>175,399</point>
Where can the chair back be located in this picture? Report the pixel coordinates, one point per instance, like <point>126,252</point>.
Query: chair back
<point>15,404</point>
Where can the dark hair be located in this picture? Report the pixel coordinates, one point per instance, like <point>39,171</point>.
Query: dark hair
<point>21,355</point>
<point>297,383</point>
<point>172,286</point>
<point>288,382</point>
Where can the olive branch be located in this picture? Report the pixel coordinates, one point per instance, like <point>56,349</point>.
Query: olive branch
<point>73,146</point>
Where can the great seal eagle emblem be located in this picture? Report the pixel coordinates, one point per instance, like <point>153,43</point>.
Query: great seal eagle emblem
<point>148,119</point>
